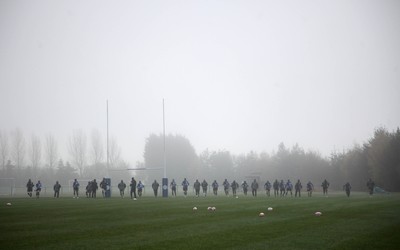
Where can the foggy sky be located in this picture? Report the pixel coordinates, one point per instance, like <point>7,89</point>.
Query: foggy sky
<point>235,75</point>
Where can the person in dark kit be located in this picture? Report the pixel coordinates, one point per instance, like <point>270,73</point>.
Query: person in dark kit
<point>155,186</point>
<point>298,188</point>
<point>276,187</point>
<point>234,187</point>
<point>29,187</point>
<point>310,188</point>
<point>140,187</point>
<point>289,188</point>
<point>325,185</point>
<point>245,187</point>
<point>75,186</point>
<point>196,187</point>
<point>103,186</point>
<point>121,187</point>
<point>254,187</point>
<point>370,186</point>
<point>94,188</point>
<point>38,188</point>
<point>204,186</point>
<point>173,187</point>
<point>215,187</point>
<point>282,188</point>
<point>89,189</point>
<point>133,188</point>
<point>56,189</point>
<point>185,185</point>
<point>226,186</point>
<point>347,188</point>
<point>267,187</point>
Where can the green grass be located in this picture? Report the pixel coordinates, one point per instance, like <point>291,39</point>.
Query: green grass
<point>358,222</point>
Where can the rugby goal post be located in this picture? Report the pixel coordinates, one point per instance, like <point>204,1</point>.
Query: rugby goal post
<point>7,186</point>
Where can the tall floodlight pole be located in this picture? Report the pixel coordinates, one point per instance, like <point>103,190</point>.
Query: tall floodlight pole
<point>108,179</point>
<point>165,158</point>
<point>165,179</point>
<point>108,161</point>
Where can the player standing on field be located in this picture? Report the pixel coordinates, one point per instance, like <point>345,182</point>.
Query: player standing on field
<point>38,189</point>
<point>289,188</point>
<point>57,188</point>
<point>215,187</point>
<point>310,188</point>
<point>226,186</point>
<point>196,187</point>
<point>29,187</point>
<point>173,187</point>
<point>89,189</point>
<point>103,186</point>
<point>325,185</point>
<point>94,188</point>
<point>282,188</point>
<point>204,186</point>
<point>234,187</point>
<point>185,185</point>
<point>155,186</point>
<point>347,188</point>
<point>267,187</point>
<point>133,188</point>
<point>298,188</point>
<point>254,187</point>
<point>276,187</point>
<point>75,186</point>
<point>121,187</point>
<point>245,186</point>
<point>140,187</point>
<point>370,186</point>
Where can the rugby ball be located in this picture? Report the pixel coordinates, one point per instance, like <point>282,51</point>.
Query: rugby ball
<point>195,209</point>
<point>270,209</point>
<point>318,213</point>
<point>261,215</point>
<point>8,204</point>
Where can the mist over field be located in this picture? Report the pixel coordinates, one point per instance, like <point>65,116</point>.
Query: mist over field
<point>253,89</point>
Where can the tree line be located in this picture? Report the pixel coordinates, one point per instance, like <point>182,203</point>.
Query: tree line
<point>40,159</point>
<point>377,158</point>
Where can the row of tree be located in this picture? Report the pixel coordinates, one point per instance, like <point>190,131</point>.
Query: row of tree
<point>378,158</point>
<point>35,159</point>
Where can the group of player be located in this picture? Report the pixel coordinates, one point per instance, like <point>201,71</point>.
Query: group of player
<point>91,188</point>
<point>38,188</point>
<point>280,188</point>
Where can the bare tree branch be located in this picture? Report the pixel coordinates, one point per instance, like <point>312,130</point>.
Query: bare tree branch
<point>18,150</point>
<point>97,152</point>
<point>51,151</point>
<point>77,149</point>
<point>36,152</point>
<point>114,152</point>
<point>3,148</point>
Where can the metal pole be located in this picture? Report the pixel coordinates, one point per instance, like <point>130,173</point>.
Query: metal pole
<point>108,161</point>
<point>165,159</point>
<point>165,179</point>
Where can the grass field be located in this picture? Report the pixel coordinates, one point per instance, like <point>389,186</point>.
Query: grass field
<point>358,222</point>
